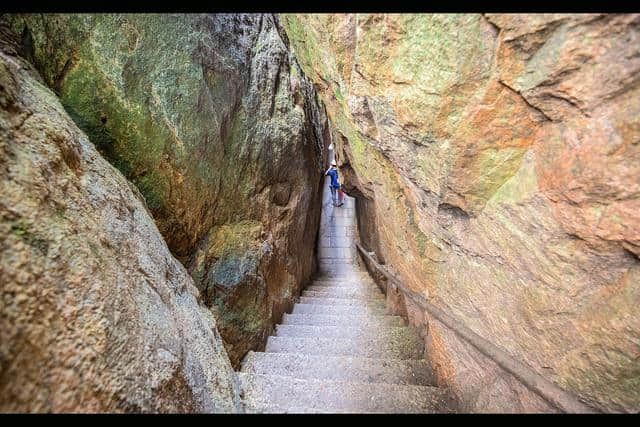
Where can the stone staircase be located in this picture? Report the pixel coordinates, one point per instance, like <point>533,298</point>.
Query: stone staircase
<point>338,350</point>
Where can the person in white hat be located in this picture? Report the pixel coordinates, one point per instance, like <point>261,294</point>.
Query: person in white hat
<point>335,183</point>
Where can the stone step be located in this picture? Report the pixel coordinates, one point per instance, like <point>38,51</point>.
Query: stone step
<point>342,282</point>
<point>344,285</point>
<point>351,278</point>
<point>266,408</point>
<point>340,368</point>
<point>344,230</point>
<point>341,331</point>
<point>343,256</point>
<point>347,287</point>
<point>356,272</point>
<point>336,255</point>
<point>345,266</point>
<point>338,320</point>
<point>338,260</point>
<point>336,267</point>
<point>339,309</point>
<point>361,288</point>
<point>332,255</point>
<point>375,348</point>
<point>343,301</point>
<point>327,261</point>
<point>343,293</point>
<point>260,391</point>
<point>338,221</point>
<point>336,270</point>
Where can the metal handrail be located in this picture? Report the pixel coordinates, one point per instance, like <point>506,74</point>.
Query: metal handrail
<point>546,389</point>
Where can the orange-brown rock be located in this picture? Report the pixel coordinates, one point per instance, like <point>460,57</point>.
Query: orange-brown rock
<point>499,158</point>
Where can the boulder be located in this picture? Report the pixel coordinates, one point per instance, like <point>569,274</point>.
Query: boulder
<point>96,315</point>
<point>211,118</point>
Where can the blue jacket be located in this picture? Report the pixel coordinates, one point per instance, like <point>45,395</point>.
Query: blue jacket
<point>335,183</point>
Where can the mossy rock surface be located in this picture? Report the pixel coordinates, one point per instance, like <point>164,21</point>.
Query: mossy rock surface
<point>200,113</point>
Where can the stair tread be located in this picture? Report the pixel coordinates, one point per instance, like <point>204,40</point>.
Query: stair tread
<point>333,319</point>
<point>342,293</point>
<point>353,275</point>
<point>353,284</point>
<point>269,408</point>
<point>342,309</point>
<point>328,395</point>
<point>404,347</point>
<point>345,295</point>
<point>345,368</point>
<point>357,277</point>
<point>324,331</point>
<point>359,302</point>
<point>361,291</point>
<point>264,408</point>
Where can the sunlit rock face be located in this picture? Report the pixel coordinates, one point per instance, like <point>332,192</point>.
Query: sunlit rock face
<point>500,159</point>
<point>96,315</point>
<point>211,118</point>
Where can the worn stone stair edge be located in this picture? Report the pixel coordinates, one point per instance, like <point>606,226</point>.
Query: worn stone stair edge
<point>392,371</point>
<point>340,395</point>
<point>376,341</point>
<point>362,384</point>
<point>327,331</point>
<point>401,329</point>
<point>300,308</point>
<point>367,309</point>
<point>356,346</point>
<point>348,294</point>
<point>332,319</point>
<point>336,301</point>
<point>276,409</point>
<point>344,280</point>
<point>354,283</point>
<point>343,286</point>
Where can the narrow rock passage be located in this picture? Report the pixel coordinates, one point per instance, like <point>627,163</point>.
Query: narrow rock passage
<point>338,351</point>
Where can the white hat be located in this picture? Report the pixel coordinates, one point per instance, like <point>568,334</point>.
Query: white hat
<point>333,163</point>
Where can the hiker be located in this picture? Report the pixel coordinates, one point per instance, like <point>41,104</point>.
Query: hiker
<point>335,184</point>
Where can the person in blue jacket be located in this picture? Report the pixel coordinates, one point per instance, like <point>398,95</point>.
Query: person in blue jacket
<point>335,184</point>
